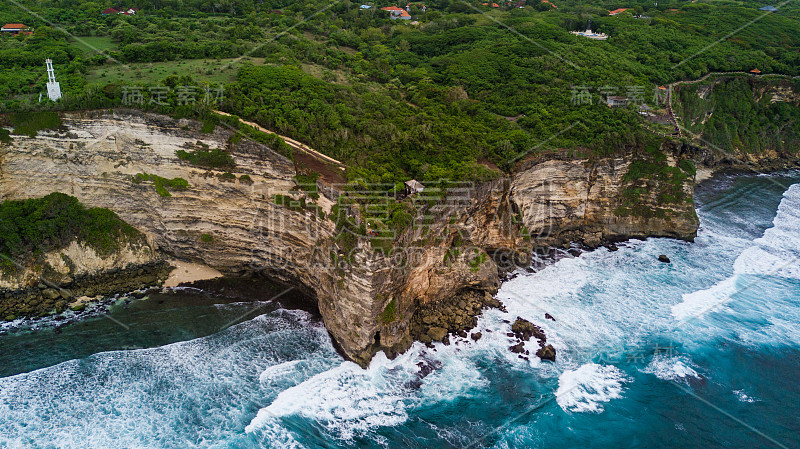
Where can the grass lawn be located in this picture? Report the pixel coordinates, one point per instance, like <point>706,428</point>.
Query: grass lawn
<point>94,44</point>
<point>151,73</point>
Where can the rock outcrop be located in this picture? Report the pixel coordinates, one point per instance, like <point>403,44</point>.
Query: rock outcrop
<point>53,294</point>
<point>565,198</point>
<point>371,296</point>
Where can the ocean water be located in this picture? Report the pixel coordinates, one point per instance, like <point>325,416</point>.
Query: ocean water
<point>703,352</point>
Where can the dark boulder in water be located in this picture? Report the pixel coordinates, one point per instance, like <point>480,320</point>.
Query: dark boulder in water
<point>547,353</point>
<point>663,258</point>
<point>476,336</point>
<point>518,348</point>
<point>426,367</point>
<point>139,294</point>
<point>524,330</point>
<point>456,315</point>
<point>547,316</point>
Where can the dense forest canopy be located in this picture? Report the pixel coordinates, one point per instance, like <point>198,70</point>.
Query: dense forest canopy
<point>456,92</point>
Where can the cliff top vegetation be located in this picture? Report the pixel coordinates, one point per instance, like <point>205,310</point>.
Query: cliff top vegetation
<point>30,228</point>
<point>462,91</point>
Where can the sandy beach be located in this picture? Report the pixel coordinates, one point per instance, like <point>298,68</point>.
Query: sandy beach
<point>185,272</point>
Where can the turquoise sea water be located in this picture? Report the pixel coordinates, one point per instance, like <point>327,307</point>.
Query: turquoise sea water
<point>703,352</point>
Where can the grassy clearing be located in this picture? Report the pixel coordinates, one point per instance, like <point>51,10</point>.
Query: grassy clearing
<point>331,76</point>
<point>94,44</point>
<point>210,70</point>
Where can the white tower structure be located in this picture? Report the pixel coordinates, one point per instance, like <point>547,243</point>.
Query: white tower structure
<point>53,87</point>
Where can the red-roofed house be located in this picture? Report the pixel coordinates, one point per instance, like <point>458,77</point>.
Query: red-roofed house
<point>756,71</point>
<point>15,28</point>
<point>121,10</point>
<point>550,3</point>
<point>617,11</point>
<point>397,13</point>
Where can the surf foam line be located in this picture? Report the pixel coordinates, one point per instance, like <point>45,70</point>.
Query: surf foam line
<point>348,400</point>
<point>177,396</point>
<point>775,254</point>
<point>586,388</point>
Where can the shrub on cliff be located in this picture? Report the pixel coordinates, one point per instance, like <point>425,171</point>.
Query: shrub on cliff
<point>35,226</point>
<point>389,313</point>
<point>29,123</point>
<point>162,185</point>
<point>215,158</point>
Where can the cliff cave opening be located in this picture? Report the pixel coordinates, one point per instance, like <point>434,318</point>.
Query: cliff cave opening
<point>260,287</point>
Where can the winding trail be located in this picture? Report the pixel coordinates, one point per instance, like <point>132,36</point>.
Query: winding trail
<point>674,119</point>
<point>299,146</point>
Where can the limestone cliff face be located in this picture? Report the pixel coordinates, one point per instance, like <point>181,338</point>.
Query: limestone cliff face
<point>78,259</point>
<point>568,199</point>
<point>367,298</point>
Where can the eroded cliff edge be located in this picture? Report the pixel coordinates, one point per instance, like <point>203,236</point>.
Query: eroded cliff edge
<point>459,242</point>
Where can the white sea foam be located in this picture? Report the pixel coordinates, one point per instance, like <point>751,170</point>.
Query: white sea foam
<point>600,300</point>
<point>348,400</point>
<point>670,368</point>
<point>775,254</point>
<point>744,397</point>
<point>586,389</point>
<point>279,371</point>
<point>697,303</point>
<point>182,395</point>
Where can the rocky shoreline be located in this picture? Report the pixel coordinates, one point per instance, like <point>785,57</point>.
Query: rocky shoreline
<point>554,203</point>
<point>436,321</point>
<point>458,316</point>
<point>46,297</point>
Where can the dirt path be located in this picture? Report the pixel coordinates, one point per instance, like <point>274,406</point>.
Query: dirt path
<point>756,75</point>
<point>299,146</point>
<point>671,86</point>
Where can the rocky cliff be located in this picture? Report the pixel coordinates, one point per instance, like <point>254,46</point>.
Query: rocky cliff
<point>741,121</point>
<point>638,194</point>
<point>456,248</point>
